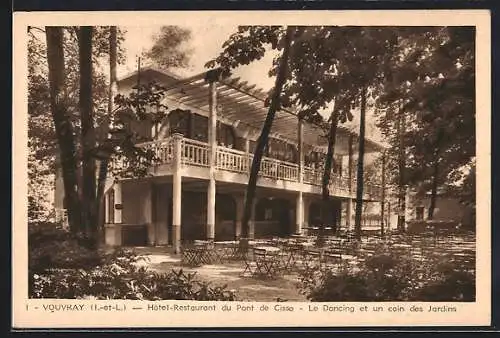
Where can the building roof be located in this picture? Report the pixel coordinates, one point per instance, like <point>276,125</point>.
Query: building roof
<point>241,103</point>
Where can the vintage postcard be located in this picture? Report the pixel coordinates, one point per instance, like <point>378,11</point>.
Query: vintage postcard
<point>251,169</point>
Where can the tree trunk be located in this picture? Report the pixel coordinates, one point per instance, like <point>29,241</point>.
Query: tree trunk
<point>62,123</point>
<point>263,138</point>
<point>89,214</point>
<point>113,90</point>
<point>435,174</point>
<point>402,168</point>
<point>329,162</point>
<point>361,156</point>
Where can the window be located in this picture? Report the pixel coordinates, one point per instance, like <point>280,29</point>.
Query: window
<point>419,213</point>
<point>199,128</point>
<point>225,135</point>
<point>179,122</point>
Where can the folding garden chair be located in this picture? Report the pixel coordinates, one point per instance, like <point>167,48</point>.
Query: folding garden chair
<point>248,261</point>
<point>267,264</point>
<point>332,257</point>
<point>192,256</point>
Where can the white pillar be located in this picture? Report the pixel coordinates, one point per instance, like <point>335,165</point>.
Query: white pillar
<point>299,210</point>
<point>349,214</point>
<point>247,145</point>
<point>247,154</point>
<point>177,194</point>
<point>349,174</point>
<point>211,209</point>
<point>118,202</point>
<point>300,146</point>
<point>212,142</point>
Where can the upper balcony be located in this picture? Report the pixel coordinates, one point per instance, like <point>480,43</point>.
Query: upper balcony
<point>231,165</point>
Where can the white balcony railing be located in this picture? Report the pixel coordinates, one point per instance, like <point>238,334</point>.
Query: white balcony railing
<point>232,160</point>
<point>197,153</point>
<point>194,152</point>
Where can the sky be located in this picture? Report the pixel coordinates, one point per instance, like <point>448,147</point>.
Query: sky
<point>206,43</point>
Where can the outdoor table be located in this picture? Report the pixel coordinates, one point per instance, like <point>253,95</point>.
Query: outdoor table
<point>205,251</point>
<point>268,249</point>
<point>226,250</point>
<point>194,256</point>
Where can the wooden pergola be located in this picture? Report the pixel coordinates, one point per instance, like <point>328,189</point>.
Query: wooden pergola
<point>242,105</point>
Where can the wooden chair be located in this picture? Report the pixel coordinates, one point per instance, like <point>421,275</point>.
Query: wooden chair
<point>249,263</point>
<point>332,257</point>
<point>267,264</point>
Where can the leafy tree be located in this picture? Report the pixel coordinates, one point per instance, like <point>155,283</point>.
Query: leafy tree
<point>366,52</point>
<point>243,47</point>
<point>79,152</point>
<point>314,86</point>
<point>170,48</point>
<point>434,84</point>
<point>41,135</point>
<point>44,158</point>
<point>112,92</point>
<point>63,126</point>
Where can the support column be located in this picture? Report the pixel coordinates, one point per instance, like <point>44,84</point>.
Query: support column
<point>212,144</point>
<point>299,205</point>
<point>300,146</point>
<point>177,194</point>
<point>349,175</point>
<point>247,154</point>
<point>349,214</point>
<point>211,210</point>
<point>116,236</point>
<point>118,203</point>
<point>299,216</point>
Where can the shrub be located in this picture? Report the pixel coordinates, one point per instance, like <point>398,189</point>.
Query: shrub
<point>121,278</point>
<point>51,246</point>
<point>60,267</point>
<point>387,276</point>
<point>448,284</point>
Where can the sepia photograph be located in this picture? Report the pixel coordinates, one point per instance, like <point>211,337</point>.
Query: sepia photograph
<point>235,162</point>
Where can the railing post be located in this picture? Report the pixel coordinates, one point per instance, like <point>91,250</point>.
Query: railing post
<point>177,193</point>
